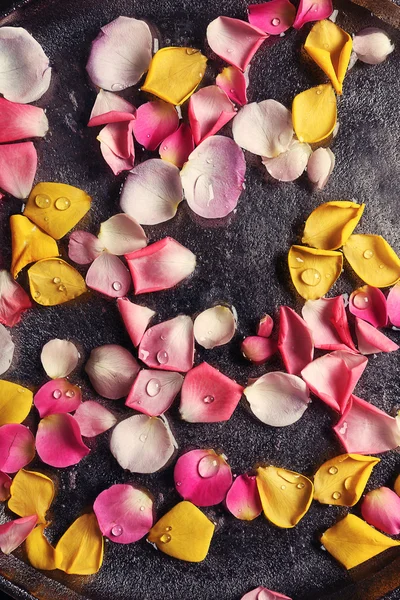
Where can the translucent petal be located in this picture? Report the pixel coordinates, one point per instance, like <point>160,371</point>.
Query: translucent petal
<point>154,122</point>
<point>327,320</point>
<point>289,165</point>
<point>112,370</point>
<point>13,533</point>
<point>93,418</point>
<point>209,110</point>
<point>243,499</point>
<point>177,147</point>
<point>233,82</point>
<point>21,121</point>
<point>393,305</point>
<point>110,108</point>
<point>372,45</point>
<point>295,341</point>
<point>135,317</point>
<point>108,275</point>
<point>381,509</point>
<point>169,346</point>
<point>122,234</point>
<point>117,146</point>
<point>320,166</point>
<point>273,17</point>
<point>17,447</point>
<point>59,358</point>
<point>312,10</point>
<point>13,300</point>
<point>7,349</point>
<point>258,349</point>
<point>84,247</point>
<point>372,341</point>
<point>369,304</point>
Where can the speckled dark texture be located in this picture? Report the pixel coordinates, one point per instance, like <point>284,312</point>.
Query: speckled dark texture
<point>242,262</point>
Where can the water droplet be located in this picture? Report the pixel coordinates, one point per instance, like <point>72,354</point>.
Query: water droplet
<point>162,357</point>
<point>143,437</point>
<point>57,394</point>
<point>319,91</point>
<point>142,508</point>
<point>208,467</point>
<point>42,201</point>
<point>117,87</point>
<point>153,387</point>
<point>275,22</point>
<point>165,147</point>
<point>178,483</point>
<point>62,203</point>
<point>70,393</point>
<point>117,285</point>
<point>61,288</point>
<point>148,135</point>
<point>300,260</point>
<point>381,266</point>
<point>333,470</point>
<point>209,161</point>
<point>56,280</point>
<point>300,486</point>
<point>36,294</point>
<point>162,337</point>
<point>343,428</point>
<point>326,46</point>
<point>301,139</point>
<point>191,51</point>
<point>336,495</point>
<point>21,390</point>
<point>168,528</point>
<point>368,254</point>
<point>283,487</point>
<point>116,531</point>
<point>232,91</point>
<point>200,75</point>
<point>311,277</point>
<point>361,300</point>
<point>229,50</point>
<point>165,538</point>
<point>46,219</point>
<point>208,399</point>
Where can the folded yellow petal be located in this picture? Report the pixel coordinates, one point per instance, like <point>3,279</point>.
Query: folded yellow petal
<point>29,244</point>
<point>397,485</point>
<point>285,495</point>
<point>81,548</point>
<point>314,113</point>
<point>31,494</point>
<point>184,533</point>
<point>15,404</point>
<point>351,541</point>
<point>374,261</point>
<point>314,272</point>
<point>40,552</point>
<point>53,281</point>
<point>330,225</point>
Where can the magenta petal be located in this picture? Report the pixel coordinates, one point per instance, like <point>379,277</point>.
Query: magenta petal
<point>177,146</point>
<point>202,477</point>
<point>265,326</point>
<point>381,509</point>
<point>108,275</point>
<point>17,447</point>
<point>93,418</point>
<point>209,110</point>
<point>273,17</point>
<point>124,513</point>
<point>258,349</point>
<point>57,396</point>
<point>295,341</point>
<point>110,108</point>
<point>117,147</point>
<point>153,392</point>
<point>312,10</point>
<point>369,303</point>
<point>154,122</point>
<point>18,164</point>
<point>261,593</point>
<point>393,305</point>
<point>13,300</point>
<point>5,483</point>
<point>243,499</point>
<point>84,247</point>
<point>208,396</point>
<point>21,121</point>
<point>111,369</point>
<point>169,345</point>
<point>59,441</point>
<point>327,320</point>
<point>135,317</point>
<point>13,533</point>
<point>234,83</point>
<point>371,341</point>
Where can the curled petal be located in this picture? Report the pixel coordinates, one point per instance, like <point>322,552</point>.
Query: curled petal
<point>29,244</point>
<point>295,341</point>
<point>202,477</point>
<point>397,485</point>
<point>7,349</point>
<point>273,17</point>
<point>39,551</point>
<point>330,225</point>
<point>265,326</point>
<point>116,146</point>
<point>142,444</point>
<point>117,163</point>
<point>15,402</point>
<point>53,281</point>
<point>57,396</point>
<point>13,300</point>
<point>258,349</point>
<point>381,509</point>
<point>374,261</point>
<point>122,234</point>
<point>31,494</point>
<point>84,247</point>
<point>215,326</point>
<point>112,370</point>
<point>243,499</point>
<point>371,341</point>
<point>17,447</point>
<point>21,121</point>
<point>314,113</point>
<point>93,418</point>
<point>289,165</point>
<point>154,122</point>
<point>261,593</point>
<point>135,317</point>
<point>312,10</point>
<point>208,396</point>
<point>233,82</point>
<point>5,483</point>
<point>320,166</point>
<point>177,146</point>
<point>110,108</point>
<point>160,266</point>
<point>108,275</point>
<point>18,163</point>
<point>13,533</point>
<point>153,391</point>
<point>372,45</point>
<point>327,320</point>
<point>169,346</point>
<point>393,305</point>
<point>369,304</point>
<point>59,441</point>
<point>314,272</point>
<point>59,358</point>
<point>209,110</point>
<point>80,550</point>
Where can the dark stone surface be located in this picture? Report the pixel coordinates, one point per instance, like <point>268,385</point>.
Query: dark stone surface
<point>242,262</point>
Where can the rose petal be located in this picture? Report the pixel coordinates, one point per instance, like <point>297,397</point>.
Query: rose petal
<point>177,146</point>
<point>135,317</point>
<point>330,225</point>
<point>314,272</point>
<point>381,508</point>
<point>327,320</point>
<point>153,392</point>
<point>13,533</point>
<point>209,110</point>
<point>57,396</point>
<point>25,73</point>
<point>112,370</point>
<point>110,108</point>
<point>258,349</point>
<point>59,358</point>
<point>213,177</point>
<point>108,275</point>
<point>295,341</point>
<point>5,483</point>
<point>233,82</point>
<point>371,341</point>
<point>215,326</point>
<point>208,396</point>
<point>373,260</point>
<point>29,244</point>
<point>160,266</point>
<point>7,349</point>
<point>397,485</point>
<point>18,163</point>
<point>289,165</point>
<point>15,402</point>
<point>59,441</point>
<point>13,300</point>
<point>320,166</point>
<point>263,128</point>
<point>372,45</point>
<point>265,326</point>
<point>120,54</point>
<point>142,444</point>
<point>243,499</point>
<point>31,493</point>
<point>312,10</point>
<point>202,477</point>
<point>84,247</point>
<point>80,550</point>
<point>169,345</point>
<point>116,145</point>
<point>393,305</point>
<point>314,113</point>
<point>115,162</point>
<point>39,551</point>
<point>122,234</point>
<point>17,447</point>
<point>53,281</point>
<point>152,192</point>
<point>93,418</point>
<point>154,122</point>
<point>19,121</point>
<point>261,593</point>
<point>273,17</point>
<point>369,304</point>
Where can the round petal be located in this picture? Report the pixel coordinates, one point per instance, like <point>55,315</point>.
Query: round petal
<point>314,113</point>
<point>393,305</point>
<point>7,349</point>
<point>273,17</point>
<point>112,370</point>
<point>15,402</point>
<point>154,122</point>
<point>372,45</point>
<point>93,418</point>
<point>59,358</point>
<point>135,317</point>
<point>21,121</point>
<point>177,146</point>
<point>84,247</point>
<point>330,225</point>
<point>31,494</point>
<point>215,326</point>
<point>13,300</point>
<point>13,533</point>
<point>209,110</point>
<point>53,281</point>
<point>373,260</point>
<point>122,234</point>
<point>327,321</point>
<point>154,391</point>
<point>233,82</point>
<point>59,441</point>
<point>57,396</point>
<point>258,349</point>
<point>320,166</point>
<point>314,272</point>
<point>243,499</point>
<point>369,304</point>
<point>17,447</point>
<point>309,10</point>
<point>261,593</point>
<point>295,341</point>
<point>18,163</point>
<point>169,346</point>
<point>108,275</point>
<point>289,165</point>
<point>370,340</point>
<point>381,509</point>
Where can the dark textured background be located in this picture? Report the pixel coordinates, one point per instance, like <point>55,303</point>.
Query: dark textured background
<point>241,262</point>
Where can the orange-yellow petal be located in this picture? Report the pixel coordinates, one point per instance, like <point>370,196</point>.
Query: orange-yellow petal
<point>285,495</point>
<point>397,485</point>
<point>53,281</point>
<point>56,207</point>
<point>175,73</point>
<point>184,533</point>
<point>351,541</point>
<point>374,261</point>
<point>15,403</point>
<point>81,548</point>
<point>31,494</point>
<point>40,552</point>
<point>314,272</point>
<point>314,113</point>
<point>29,244</point>
<point>331,224</point>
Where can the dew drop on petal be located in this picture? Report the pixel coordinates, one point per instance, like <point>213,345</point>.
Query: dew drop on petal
<point>300,486</point>
<point>208,467</point>
<point>360,301</point>
<point>141,509</point>
<point>336,495</point>
<point>343,428</point>
<point>153,387</point>
<point>57,394</point>
<point>229,50</point>
<point>311,277</point>
<point>178,483</point>
<point>162,357</point>
<point>168,528</point>
<point>56,280</point>
<point>143,438</point>
<point>117,285</point>
<point>62,203</point>
<point>42,201</point>
<point>283,487</point>
<point>70,393</point>
<point>117,87</point>
<point>208,399</point>
<point>116,531</point>
<point>275,22</point>
<point>165,538</point>
<point>368,254</point>
<point>333,470</point>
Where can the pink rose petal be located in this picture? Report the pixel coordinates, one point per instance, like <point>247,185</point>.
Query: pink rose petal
<point>234,83</point>
<point>21,121</point>
<point>13,300</point>
<point>110,108</point>
<point>112,370</point>
<point>108,275</point>
<point>84,247</point>
<point>177,146</point>
<point>364,429</point>
<point>235,41</point>
<point>258,349</point>
<point>203,477</point>
<point>116,145</point>
<point>154,122</point>
<point>243,499</point>
<point>208,396</point>
<point>214,326</point>
<point>17,447</point>
<point>393,305</point>
<point>371,341</point>
<point>124,513</point>
<point>7,350</point>
<point>265,326</point>
<point>261,593</point>
<point>57,396</point>
<point>312,10</point>
<point>369,303</point>
<point>135,317</point>
<point>209,110</point>
<point>18,164</point>
<point>328,323</point>
<point>13,533</point>
<point>289,165</point>
<point>295,341</point>
<point>59,441</point>
<point>93,418</point>
<point>5,483</point>
<point>153,392</point>
<point>320,166</point>
<point>372,45</point>
<point>115,162</point>
<point>273,17</point>
<point>381,509</point>
<point>120,54</point>
<point>59,358</point>
<point>160,266</point>
<point>213,177</point>
<point>169,345</point>
<point>122,234</point>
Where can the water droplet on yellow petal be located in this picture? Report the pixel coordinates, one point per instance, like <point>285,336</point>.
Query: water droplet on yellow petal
<point>318,271</point>
<point>41,281</point>
<point>370,270</point>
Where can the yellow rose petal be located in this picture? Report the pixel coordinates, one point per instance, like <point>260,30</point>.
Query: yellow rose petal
<point>330,225</point>
<point>314,272</point>
<point>31,494</point>
<point>40,552</point>
<point>351,541</point>
<point>15,404</point>
<point>184,533</point>
<point>81,548</point>
<point>29,244</point>
<point>374,261</point>
<point>397,485</point>
<point>175,73</point>
<point>314,113</point>
<point>330,47</point>
<point>341,480</point>
<point>56,207</point>
<point>285,495</point>
<point>53,281</point>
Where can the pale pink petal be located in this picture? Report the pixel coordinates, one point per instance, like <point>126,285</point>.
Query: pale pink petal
<point>59,441</point>
<point>372,45</point>
<point>18,164</point>
<point>124,513</point>
<point>154,122</point>
<point>93,418</point>
<point>21,121</point>
<point>120,54</point>
<point>17,447</point>
<point>214,326</point>
<point>381,509</point>
<point>152,192</point>
<point>369,304</point>
<point>153,391</point>
<point>278,399</point>
<point>143,444</point>
<point>13,300</point>
<point>258,349</point>
<point>328,323</point>
<point>295,341</point>
<point>393,305</point>
<point>265,326</point>
<point>208,396</point>
<point>319,167</point>
<point>234,83</point>
<point>160,266</point>
<point>110,108</point>
<point>5,483</point>
<point>177,146</point>
<point>57,396</point>
<point>261,593</point>
<point>115,162</point>
<point>169,346</point>
<point>263,128</point>
<point>135,317</point>
<point>243,499</point>
<point>108,275</point>
<point>202,477</point>
<point>59,358</point>
<point>13,533</point>
<point>312,10</point>
<point>84,247</point>
<point>273,17</point>
<point>7,350</point>
<point>213,177</point>
<point>372,341</point>
<point>209,110</point>
<point>24,72</point>
<point>116,142</point>
<point>122,234</point>
<point>235,41</point>
<point>112,370</point>
<point>364,429</point>
<point>289,165</point>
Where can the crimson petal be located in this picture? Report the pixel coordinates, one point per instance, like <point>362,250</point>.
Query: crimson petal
<point>57,396</point>
<point>17,447</point>
<point>369,303</point>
